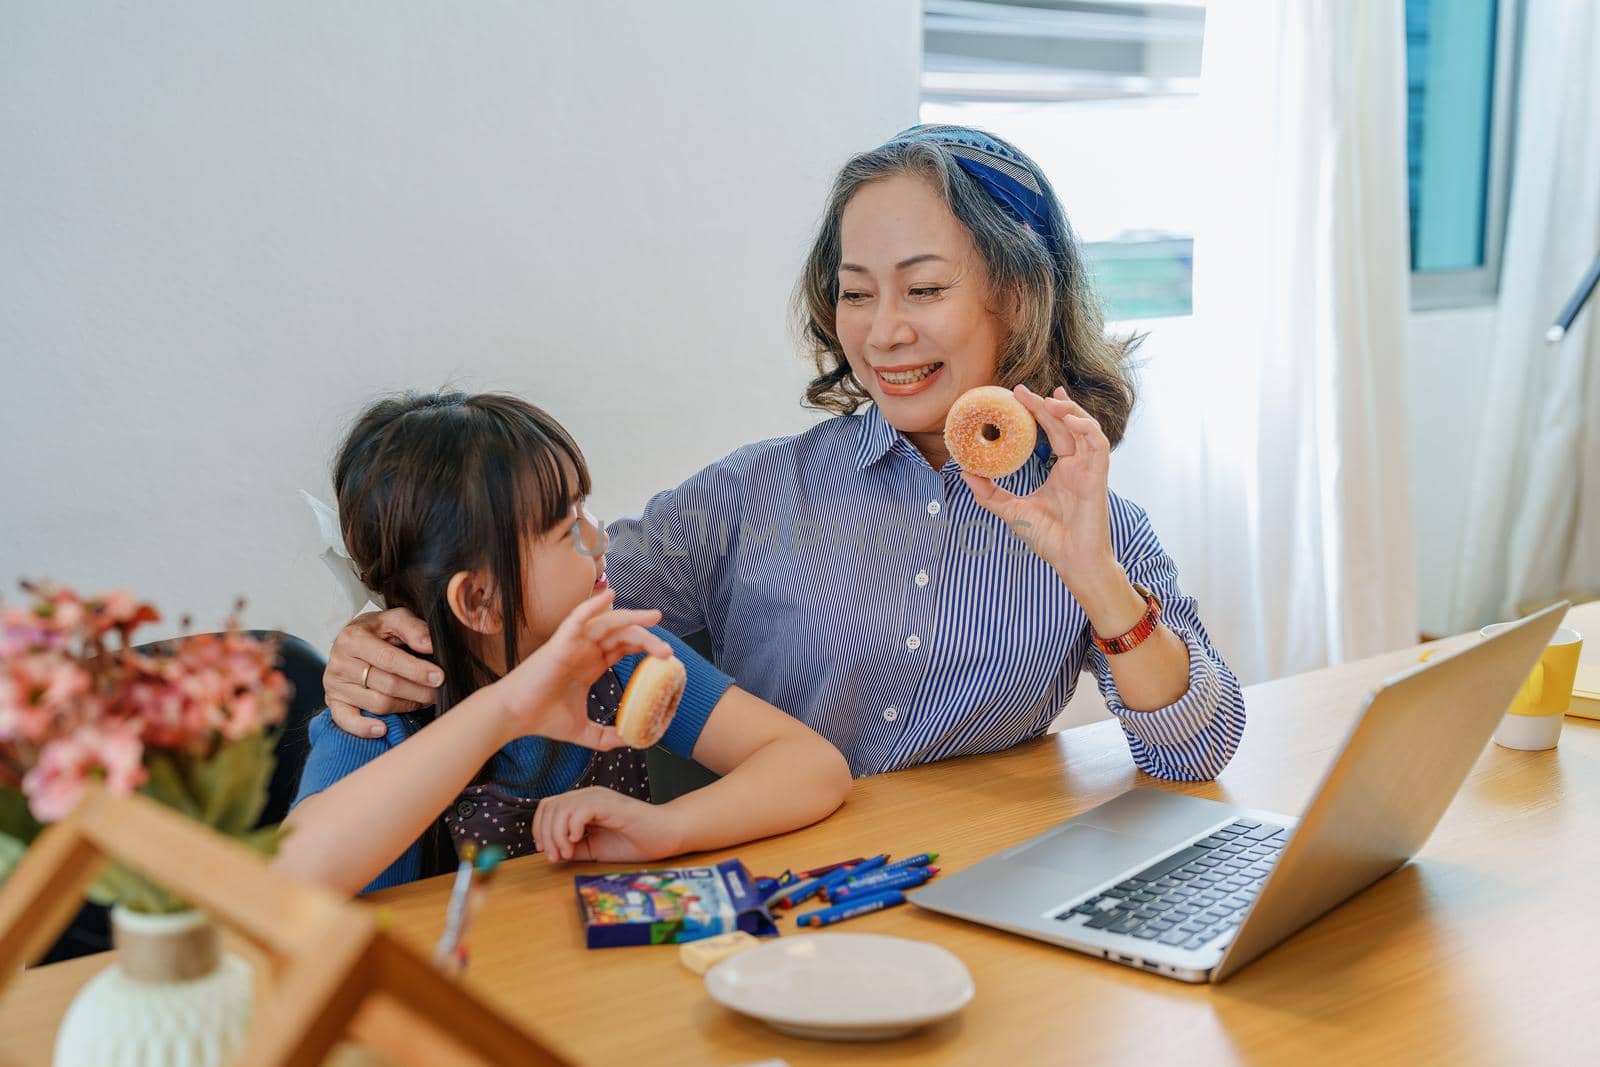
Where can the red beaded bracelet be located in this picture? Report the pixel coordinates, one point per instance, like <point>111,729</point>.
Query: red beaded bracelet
<point>1141,630</point>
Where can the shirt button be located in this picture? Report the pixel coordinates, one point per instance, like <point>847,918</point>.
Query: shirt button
<point>891,714</point>
<point>913,642</point>
<point>933,507</point>
<point>922,578</point>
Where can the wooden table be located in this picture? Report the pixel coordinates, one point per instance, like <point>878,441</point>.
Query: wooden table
<point>1479,952</point>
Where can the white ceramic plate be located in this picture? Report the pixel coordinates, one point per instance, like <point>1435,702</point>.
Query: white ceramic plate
<point>843,987</point>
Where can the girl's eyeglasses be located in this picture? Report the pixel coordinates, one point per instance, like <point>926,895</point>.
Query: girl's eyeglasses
<point>589,544</point>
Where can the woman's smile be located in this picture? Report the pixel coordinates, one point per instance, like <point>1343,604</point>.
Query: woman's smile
<point>907,379</point>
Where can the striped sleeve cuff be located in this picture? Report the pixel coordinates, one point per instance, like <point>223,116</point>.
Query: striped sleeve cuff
<point>1183,719</point>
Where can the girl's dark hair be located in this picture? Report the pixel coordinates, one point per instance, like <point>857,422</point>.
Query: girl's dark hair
<point>433,484</point>
<point>1056,332</point>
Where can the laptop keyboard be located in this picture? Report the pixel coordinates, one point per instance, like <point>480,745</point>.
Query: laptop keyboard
<point>1194,895</point>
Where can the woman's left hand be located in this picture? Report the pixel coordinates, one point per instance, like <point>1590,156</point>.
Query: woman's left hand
<point>1065,520</point>
<point>597,823</point>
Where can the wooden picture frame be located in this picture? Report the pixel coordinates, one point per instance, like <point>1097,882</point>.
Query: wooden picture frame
<point>334,972</point>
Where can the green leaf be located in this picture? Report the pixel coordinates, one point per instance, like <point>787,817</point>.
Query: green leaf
<point>119,884</point>
<point>231,786</point>
<point>166,784</point>
<point>226,792</point>
<point>113,884</point>
<point>16,821</point>
<point>265,841</point>
<point>11,851</point>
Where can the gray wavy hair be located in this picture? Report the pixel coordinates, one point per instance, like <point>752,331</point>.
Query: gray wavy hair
<point>1056,333</point>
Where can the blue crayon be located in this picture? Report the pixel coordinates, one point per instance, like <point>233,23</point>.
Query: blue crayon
<point>841,875</point>
<point>909,878</point>
<point>789,896</point>
<point>921,859</point>
<point>841,912</point>
<point>826,869</point>
<point>825,884</point>
<point>846,874</point>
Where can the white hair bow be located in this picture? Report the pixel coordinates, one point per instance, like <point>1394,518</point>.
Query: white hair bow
<point>337,557</point>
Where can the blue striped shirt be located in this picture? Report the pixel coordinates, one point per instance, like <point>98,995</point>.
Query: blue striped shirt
<point>843,579</point>
<point>527,767</point>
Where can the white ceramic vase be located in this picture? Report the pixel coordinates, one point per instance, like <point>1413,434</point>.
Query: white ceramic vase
<point>172,998</point>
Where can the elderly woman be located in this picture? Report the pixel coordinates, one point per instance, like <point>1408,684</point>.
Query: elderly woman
<point>854,575</point>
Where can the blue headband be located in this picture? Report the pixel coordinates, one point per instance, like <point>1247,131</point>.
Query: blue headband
<point>1004,174</point>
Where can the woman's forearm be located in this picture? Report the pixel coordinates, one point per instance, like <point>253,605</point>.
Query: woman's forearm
<point>1153,675</point>
<point>346,835</point>
<point>781,786</point>
<point>1156,673</point>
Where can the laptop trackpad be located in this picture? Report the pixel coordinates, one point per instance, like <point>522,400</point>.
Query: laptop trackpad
<point>1090,855</point>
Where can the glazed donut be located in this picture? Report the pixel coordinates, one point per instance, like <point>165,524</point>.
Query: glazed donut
<point>989,432</point>
<point>650,700</point>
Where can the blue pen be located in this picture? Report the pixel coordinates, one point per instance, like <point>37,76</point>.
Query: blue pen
<point>921,859</point>
<point>908,878</point>
<point>841,912</point>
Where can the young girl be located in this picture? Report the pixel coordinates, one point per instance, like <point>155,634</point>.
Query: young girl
<point>468,510</point>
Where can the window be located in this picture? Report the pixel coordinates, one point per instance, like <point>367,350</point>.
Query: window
<point>1459,88</point>
<point>1102,95</point>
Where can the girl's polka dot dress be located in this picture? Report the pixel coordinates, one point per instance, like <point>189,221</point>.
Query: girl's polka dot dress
<point>489,815</point>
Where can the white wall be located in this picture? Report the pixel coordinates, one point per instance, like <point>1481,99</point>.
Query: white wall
<point>226,227</point>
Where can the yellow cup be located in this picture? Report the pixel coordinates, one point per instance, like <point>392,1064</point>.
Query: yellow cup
<point>1533,721</point>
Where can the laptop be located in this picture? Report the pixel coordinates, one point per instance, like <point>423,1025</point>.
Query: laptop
<point>1195,889</point>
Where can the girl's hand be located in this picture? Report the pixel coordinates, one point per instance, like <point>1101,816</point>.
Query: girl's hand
<point>1066,520</point>
<point>601,824</point>
<point>547,694</point>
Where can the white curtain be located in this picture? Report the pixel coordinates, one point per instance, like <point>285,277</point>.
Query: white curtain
<point>1297,473</point>
<point>1532,527</point>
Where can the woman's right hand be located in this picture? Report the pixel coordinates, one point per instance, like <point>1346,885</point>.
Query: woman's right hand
<point>547,694</point>
<point>397,681</point>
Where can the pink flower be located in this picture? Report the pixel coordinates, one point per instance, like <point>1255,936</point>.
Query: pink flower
<point>244,717</point>
<point>70,706</point>
<point>57,609</point>
<point>119,607</point>
<point>38,687</point>
<point>59,680</point>
<point>18,718</point>
<point>56,783</point>
<point>68,613</point>
<point>117,610</point>
<point>22,632</point>
<point>159,709</point>
<point>244,668</point>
